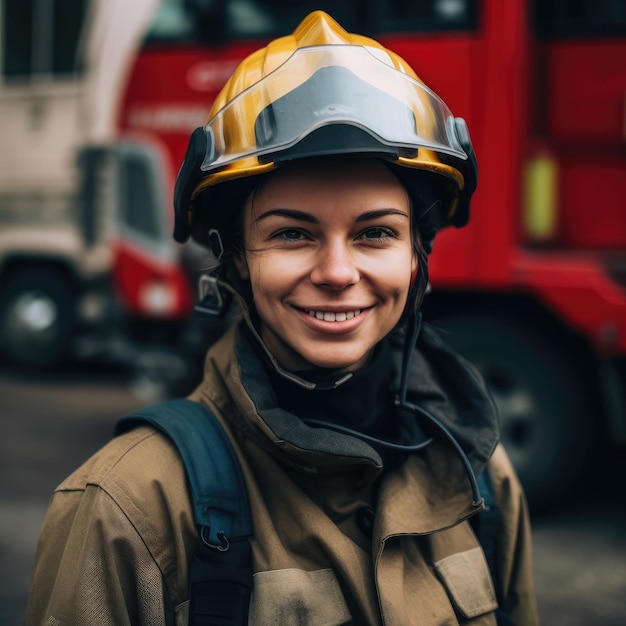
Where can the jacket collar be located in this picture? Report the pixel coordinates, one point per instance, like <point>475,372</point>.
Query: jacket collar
<point>440,381</point>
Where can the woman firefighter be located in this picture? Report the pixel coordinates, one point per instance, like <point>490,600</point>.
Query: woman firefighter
<point>367,447</point>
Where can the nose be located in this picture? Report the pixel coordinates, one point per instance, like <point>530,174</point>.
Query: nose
<point>335,266</point>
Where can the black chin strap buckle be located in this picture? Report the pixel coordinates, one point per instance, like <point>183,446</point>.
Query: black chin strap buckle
<point>211,298</point>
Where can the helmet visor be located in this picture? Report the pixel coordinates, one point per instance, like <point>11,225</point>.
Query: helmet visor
<point>316,87</point>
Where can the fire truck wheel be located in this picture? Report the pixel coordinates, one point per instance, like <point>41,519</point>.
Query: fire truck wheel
<point>541,399</point>
<point>36,316</point>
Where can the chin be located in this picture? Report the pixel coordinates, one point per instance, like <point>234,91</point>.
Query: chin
<point>338,362</point>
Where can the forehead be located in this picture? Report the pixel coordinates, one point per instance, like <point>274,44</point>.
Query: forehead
<point>360,181</point>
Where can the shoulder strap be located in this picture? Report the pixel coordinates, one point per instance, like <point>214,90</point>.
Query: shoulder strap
<point>219,496</point>
<point>488,525</point>
<point>221,571</point>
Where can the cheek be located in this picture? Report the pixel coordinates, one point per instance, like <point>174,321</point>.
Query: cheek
<point>405,280</point>
<point>398,272</point>
<point>269,277</point>
<point>278,266</point>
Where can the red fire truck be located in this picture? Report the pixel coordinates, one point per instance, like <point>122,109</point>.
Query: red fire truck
<point>533,290</point>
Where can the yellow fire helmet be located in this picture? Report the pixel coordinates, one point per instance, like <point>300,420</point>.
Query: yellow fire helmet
<point>322,92</point>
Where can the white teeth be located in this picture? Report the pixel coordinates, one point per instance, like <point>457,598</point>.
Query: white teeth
<point>328,316</point>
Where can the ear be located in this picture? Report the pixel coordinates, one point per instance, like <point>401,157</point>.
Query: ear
<point>242,266</point>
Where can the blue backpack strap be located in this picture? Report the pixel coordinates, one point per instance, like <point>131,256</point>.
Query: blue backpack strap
<point>221,571</point>
<point>487,526</point>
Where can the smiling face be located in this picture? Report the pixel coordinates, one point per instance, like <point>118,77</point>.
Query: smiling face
<point>329,256</point>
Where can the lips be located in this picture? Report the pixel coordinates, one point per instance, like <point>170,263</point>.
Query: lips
<point>333,316</point>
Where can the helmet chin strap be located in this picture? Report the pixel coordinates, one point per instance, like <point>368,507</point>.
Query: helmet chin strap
<point>342,377</point>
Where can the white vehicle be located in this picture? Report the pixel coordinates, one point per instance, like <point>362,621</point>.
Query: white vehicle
<point>64,68</point>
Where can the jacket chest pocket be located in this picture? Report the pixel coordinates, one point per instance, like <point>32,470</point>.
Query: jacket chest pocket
<point>467,580</point>
<point>294,596</point>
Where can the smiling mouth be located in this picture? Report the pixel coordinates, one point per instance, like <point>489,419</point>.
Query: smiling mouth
<point>329,316</point>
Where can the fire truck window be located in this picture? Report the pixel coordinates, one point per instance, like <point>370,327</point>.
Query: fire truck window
<point>426,15</point>
<point>68,19</point>
<point>172,21</point>
<point>270,18</point>
<point>263,19</point>
<point>139,208</point>
<point>181,20</point>
<point>561,19</point>
<point>17,37</point>
<point>41,36</point>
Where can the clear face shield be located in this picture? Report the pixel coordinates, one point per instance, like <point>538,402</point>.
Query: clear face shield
<point>348,86</point>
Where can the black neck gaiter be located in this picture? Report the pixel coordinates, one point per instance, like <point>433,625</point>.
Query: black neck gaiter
<point>364,403</point>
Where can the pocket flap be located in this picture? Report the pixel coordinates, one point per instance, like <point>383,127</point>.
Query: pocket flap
<point>294,596</point>
<point>468,582</point>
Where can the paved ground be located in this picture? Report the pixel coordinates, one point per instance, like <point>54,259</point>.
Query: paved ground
<point>51,424</point>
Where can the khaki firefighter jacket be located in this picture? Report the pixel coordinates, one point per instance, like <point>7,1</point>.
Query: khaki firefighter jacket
<point>119,533</point>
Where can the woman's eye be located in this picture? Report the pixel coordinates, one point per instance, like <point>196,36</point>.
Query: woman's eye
<point>377,234</point>
<point>290,234</point>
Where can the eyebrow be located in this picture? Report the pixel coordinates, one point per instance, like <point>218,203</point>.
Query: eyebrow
<point>372,215</point>
<point>307,217</point>
<point>291,213</point>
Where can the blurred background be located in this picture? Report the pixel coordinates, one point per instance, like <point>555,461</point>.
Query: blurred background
<point>97,101</point>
